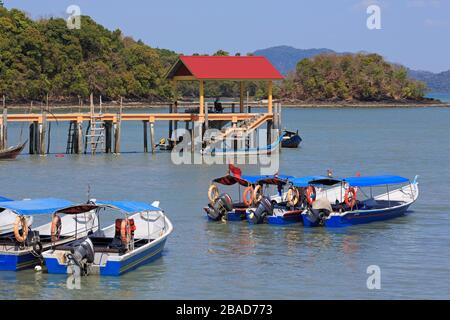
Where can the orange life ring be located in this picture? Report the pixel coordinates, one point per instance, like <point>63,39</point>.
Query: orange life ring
<point>350,201</point>
<point>293,196</point>
<point>247,196</point>
<point>213,193</point>
<point>311,194</point>
<point>125,231</point>
<point>257,193</point>
<point>20,223</point>
<point>55,230</point>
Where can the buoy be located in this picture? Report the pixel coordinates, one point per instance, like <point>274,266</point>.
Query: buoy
<point>38,268</point>
<point>59,155</point>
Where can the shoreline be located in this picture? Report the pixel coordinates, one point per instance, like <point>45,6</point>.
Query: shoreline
<point>227,105</point>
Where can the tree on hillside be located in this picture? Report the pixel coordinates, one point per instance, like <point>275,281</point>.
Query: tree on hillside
<point>362,77</point>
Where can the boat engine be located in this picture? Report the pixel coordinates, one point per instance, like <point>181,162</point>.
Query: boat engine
<point>320,209</point>
<point>263,209</point>
<point>221,206</point>
<point>80,257</point>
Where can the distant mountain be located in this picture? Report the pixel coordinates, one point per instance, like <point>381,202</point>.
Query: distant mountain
<point>437,82</point>
<point>285,59</point>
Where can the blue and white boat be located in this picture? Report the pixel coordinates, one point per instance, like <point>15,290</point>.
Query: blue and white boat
<point>222,207</point>
<point>23,246</point>
<point>346,208</point>
<point>8,218</point>
<point>136,239</point>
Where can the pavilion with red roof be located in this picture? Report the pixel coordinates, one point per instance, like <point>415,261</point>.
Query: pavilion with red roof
<point>234,68</point>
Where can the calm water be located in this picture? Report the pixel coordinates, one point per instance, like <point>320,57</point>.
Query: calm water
<point>235,260</point>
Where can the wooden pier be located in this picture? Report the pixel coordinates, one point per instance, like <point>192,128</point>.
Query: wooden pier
<point>104,129</point>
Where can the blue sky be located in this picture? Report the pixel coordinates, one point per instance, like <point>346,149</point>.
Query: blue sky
<point>415,33</point>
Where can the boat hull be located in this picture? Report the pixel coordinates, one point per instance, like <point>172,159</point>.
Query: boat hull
<point>292,142</point>
<point>357,217</point>
<point>113,268</point>
<point>278,220</point>
<point>17,262</point>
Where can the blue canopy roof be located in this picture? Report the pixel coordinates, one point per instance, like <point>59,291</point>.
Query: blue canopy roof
<point>3,199</point>
<point>269,179</point>
<point>36,206</point>
<point>303,182</point>
<point>374,180</point>
<point>128,206</point>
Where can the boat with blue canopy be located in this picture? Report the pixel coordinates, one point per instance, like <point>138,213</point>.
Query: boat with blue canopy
<point>354,200</point>
<point>137,238</point>
<point>222,207</point>
<point>23,247</point>
<point>7,218</point>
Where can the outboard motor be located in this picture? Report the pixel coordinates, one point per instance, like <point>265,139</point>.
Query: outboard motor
<point>319,210</point>
<point>221,206</point>
<point>80,257</point>
<point>263,209</point>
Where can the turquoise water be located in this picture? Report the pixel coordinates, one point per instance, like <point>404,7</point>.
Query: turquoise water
<point>444,97</point>
<point>237,261</point>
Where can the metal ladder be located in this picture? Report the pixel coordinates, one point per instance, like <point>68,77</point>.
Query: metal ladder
<point>96,135</point>
<point>70,138</point>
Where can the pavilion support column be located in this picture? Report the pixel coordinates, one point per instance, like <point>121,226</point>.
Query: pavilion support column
<point>269,98</point>
<point>241,98</point>
<point>152,135</point>
<point>202,99</point>
<point>79,136</point>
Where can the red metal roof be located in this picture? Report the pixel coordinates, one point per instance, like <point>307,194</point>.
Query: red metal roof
<point>225,68</point>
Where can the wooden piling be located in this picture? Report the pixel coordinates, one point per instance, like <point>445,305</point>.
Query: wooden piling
<point>152,136</point>
<point>170,121</point>
<point>145,125</point>
<point>116,128</point>
<point>79,136</point>
<point>42,131</point>
<point>31,139</point>
<point>108,136</point>
<point>4,126</point>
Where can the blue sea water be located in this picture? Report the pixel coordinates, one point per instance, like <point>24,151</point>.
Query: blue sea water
<point>206,260</point>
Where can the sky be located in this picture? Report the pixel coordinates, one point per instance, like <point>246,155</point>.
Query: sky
<point>415,33</point>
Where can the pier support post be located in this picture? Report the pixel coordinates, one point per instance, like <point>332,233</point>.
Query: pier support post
<point>79,137</point>
<point>116,127</point>
<point>4,126</point>
<point>42,132</point>
<point>269,131</point>
<point>152,136</point>
<point>170,121</point>
<point>145,125</point>
<point>108,136</point>
<point>34,138</point>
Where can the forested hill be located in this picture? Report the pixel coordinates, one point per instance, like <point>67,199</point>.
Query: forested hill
<point>358,77</point>
<point>45,57</point>
<point>40,57</point>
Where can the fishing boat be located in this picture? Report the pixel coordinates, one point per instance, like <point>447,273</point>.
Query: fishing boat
<point>137,238</point>
<point>290,139</point>
<point>348,210</point>
<point>12,152</point>
<point>23,247</point>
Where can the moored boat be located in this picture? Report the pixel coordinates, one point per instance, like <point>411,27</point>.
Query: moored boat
<point>349,210</point>
<point>12,152</point>
<point>290,139</point>
<point>138,238</point>
<point>23,247</point>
